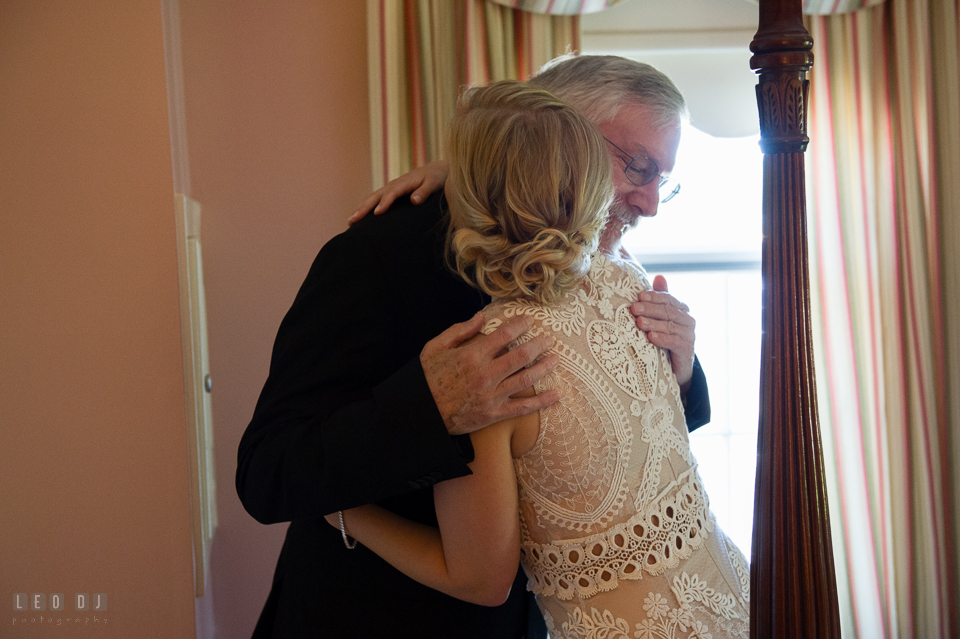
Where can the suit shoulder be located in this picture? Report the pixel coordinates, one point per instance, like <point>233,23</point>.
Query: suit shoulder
<point>408,238</point>
<point>404,222</point>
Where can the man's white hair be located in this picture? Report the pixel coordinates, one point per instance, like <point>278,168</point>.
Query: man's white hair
<point>598,85</point>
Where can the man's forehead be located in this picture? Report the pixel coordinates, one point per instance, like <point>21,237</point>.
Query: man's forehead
<point>641,132</point>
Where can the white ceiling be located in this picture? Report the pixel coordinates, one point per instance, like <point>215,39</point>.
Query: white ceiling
<point>703,45</point>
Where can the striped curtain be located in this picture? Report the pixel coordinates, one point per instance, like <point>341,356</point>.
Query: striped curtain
<point>421,52</point>
<point>884,205</point>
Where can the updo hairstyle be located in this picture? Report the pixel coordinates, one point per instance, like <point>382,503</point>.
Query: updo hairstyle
<point>528,190</point>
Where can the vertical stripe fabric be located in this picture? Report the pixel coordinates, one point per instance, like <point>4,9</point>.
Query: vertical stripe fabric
<point>945,39</point>
<point>422,52</point>
<point>884,202</point>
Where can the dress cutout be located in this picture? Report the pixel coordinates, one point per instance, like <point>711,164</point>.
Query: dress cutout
<point>618,538</point>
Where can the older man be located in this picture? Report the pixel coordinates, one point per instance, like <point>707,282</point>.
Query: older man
<point>362,406</point>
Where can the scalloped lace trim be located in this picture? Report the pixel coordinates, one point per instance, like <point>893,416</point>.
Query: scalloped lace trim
<point>651,541</point>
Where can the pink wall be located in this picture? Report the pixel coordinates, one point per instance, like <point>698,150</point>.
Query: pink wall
<point>93,467</point>
<point>278,139</point>
<point>93,484</point>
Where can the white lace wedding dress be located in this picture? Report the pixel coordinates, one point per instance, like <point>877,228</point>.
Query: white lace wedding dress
<point>618,538</point>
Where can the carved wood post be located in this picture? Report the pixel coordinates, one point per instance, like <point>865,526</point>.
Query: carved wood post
<point>793,591</point>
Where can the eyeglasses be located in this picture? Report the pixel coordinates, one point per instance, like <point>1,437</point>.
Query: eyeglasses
<point>640,171</point>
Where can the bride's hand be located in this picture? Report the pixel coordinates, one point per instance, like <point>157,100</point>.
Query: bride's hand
<point>420,183</point>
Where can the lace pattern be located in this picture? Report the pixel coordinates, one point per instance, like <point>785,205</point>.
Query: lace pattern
<point>575,473</point>
<point>630,362</point>
<point>651,541</point>
<point>612,511</point>
<point>742,569</point>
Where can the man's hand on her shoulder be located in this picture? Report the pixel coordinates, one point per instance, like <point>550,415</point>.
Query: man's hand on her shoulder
<point>668,324</point>
<point>473,383</point>
<point>420,183</point>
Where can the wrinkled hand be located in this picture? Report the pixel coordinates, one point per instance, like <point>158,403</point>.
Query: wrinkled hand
<point>668,324</point>
<point>472,382</point>
<point>420,183</point>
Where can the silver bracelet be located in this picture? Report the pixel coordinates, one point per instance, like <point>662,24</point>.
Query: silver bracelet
<point>347,541</point>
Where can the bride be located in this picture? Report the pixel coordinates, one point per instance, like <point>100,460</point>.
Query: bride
<point>597,496</point>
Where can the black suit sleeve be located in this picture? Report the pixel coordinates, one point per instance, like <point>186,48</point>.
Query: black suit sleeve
<point>345,417</point>
<point>696,402</point>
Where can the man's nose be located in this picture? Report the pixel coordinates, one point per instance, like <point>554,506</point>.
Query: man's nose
<point>646,197</point>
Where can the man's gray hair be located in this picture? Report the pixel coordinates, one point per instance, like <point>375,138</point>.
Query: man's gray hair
<point>598,85</point>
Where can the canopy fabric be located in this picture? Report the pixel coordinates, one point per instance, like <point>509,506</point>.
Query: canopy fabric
<point>835,7</point>
<point>558,7</point>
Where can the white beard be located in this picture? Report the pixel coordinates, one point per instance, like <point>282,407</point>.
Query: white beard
<point>622,214</point>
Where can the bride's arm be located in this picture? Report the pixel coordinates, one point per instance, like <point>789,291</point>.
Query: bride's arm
<point>475,553</point>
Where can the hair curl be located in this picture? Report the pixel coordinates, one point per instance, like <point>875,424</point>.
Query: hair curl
<point>528,190</point>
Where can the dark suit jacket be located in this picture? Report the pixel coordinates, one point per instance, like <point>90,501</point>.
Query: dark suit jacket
<point>346,418</point>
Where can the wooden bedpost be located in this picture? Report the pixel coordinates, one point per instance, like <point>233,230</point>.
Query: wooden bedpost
<point>793,584</point>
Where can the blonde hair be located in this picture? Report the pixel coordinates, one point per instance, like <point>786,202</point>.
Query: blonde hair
<point>528,190</point>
